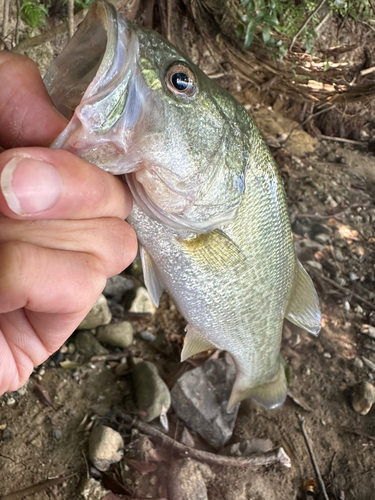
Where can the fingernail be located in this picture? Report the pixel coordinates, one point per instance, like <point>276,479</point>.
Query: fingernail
<point>30,186</point>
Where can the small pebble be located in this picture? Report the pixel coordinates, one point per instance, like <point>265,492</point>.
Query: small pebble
<point>99,315</point>
<point>358,309</point>
<point>315,264</point>
<point>57,434</point>
<point>142,302</point>
<point>105,447</point>
<point>327,355</point>
<point>369,363</point>
<point>11,401</point>
<point>90,489</point>
<point>363,397</point>
<point>117,286</point>
<point>368,330</point>
<point>353,277</point>
<point>358,363</point>
<point>346,305</point>
<point>147,336</point>
<point>88,344</point>
<point>6,436</point>
<point>322,238</point>
<point>117,334</point>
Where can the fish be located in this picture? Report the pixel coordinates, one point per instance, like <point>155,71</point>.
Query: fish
<point>209,210</point>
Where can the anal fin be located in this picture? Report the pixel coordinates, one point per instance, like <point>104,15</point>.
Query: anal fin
<point>152,282</point>
<point>303,307</point>
<point>194,343</point>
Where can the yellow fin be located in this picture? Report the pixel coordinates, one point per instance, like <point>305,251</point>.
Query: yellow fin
<point>303,307</point>
<point>214,250</point>
<point>152,282</point>
<point>270,395</point>
<point>194,343</point>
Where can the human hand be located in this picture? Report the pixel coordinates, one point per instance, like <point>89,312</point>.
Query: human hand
<point>62,232</point>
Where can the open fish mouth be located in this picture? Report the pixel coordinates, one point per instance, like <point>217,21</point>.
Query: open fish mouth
<point>96,78</point>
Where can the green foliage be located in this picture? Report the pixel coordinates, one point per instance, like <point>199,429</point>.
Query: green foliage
<point>33,13</point>
<point>82,4</point>
<point>278,21</point>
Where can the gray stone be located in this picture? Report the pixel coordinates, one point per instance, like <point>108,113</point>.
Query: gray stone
<point>200,399</point>
<point>118,286</point>
<point>116,334</point>
<point>88,345</point>
<point>249,447</point>
<point>322,238</point>
<point>363,397</point>
<point>142,302</point>
<point>105,447</point>
<point>151,392</point>
<point>368,330</point>
<point>187,480</point>
<point>99,315</point>
<point>315,264</point>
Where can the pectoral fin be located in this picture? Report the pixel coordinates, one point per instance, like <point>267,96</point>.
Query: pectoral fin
<point>303,308</point>
<point>270,395</point>
<point>194,343</point>
<point>214,250</point>
<point>152,282</point>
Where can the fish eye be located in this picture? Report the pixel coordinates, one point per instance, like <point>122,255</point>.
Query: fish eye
<point>180,80</point>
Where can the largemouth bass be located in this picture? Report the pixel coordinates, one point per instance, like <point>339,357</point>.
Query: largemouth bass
<point>209,204</point>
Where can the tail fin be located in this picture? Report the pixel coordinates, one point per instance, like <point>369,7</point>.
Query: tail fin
<point>270,395</point>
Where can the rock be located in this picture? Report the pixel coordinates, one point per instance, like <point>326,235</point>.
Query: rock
<point>322,238</point>
<point>339,255</point>
<point>147,336</point>
<point>91,489</point>
<point>187,480</point>
<point>200,399</point>
<point>6,436</point>
<point>118,286</point>
<point>315,264</point>
<point>249,447</point>
<point>88,344</point>
<point>368,330</point>
<point>369,363</point>
<point>358,363</point>
<point>353,277</point>
<point>105,447</point>
<point>186,438</point>
<point>151,392</point>
<point>363,397</point>
<point>99,315</point>
<point>142,302</point>
<point>116,334</point>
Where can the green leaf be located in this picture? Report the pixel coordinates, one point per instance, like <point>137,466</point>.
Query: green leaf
<point>266,33</point>
<point>250,30</point>
<point>240,31</point>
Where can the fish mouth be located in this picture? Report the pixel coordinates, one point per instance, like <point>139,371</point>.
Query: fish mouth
<point>95,82</point>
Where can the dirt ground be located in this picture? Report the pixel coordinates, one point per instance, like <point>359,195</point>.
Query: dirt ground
<point>331,195</point>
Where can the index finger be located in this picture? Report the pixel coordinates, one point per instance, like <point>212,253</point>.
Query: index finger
<point>27,115</point>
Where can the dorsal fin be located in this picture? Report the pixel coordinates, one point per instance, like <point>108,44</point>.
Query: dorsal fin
<point>154,288</point>
<point>194,342</point>
<point>303,307</point>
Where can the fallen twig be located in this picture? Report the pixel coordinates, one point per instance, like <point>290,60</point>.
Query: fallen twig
<point>277,456</point>
<point>358,433</point>
<point>312,456</point>
<point>35,488</point>
<point>71,24</point>
<point>306,23</point>
<point>332,216</point>
<point>347,291</point>
<point>341,139</point>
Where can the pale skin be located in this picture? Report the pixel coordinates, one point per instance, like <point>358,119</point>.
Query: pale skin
<point>62,228</point>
